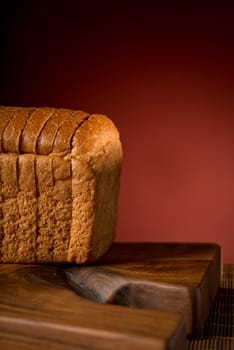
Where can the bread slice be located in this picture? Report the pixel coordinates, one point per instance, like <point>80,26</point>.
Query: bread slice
<point>9,206</point>
<point>33,128</point>
<point>46,138</point>
<point>6,113</point>
<point>62,141</point>
<point>28,209</point>
<point>62,207</point>
<point>45,207</point>
<point>12,132</point>
<point>60,175</point>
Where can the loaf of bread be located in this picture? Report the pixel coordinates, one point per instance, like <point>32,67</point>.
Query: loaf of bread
<point>59,185</point>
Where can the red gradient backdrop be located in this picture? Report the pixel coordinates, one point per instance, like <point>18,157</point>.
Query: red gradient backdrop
<point>165,76</point>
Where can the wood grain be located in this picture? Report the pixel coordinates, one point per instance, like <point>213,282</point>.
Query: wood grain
<point>39,311</point>
<point>169,289</point>
<point>173,277</point>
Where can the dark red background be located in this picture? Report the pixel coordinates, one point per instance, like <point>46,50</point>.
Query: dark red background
<point>164,74</point>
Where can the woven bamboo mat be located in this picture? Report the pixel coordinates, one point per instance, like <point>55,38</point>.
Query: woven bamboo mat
<point>218,332</point>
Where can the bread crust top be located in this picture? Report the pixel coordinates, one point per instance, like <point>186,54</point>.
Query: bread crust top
<point>41,131</point>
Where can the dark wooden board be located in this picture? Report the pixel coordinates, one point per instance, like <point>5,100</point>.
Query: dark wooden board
<point>173,277</point>
<point>39,311</point>
<point>171,285</point>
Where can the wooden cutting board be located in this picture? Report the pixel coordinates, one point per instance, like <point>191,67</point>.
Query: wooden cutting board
<point>170,288</point>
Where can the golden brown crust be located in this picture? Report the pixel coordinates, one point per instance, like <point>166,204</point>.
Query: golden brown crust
<point>6,114</point>
<point>33,128</point>
<point>62,141</point>
<point>47,136</point>
<point>12,132</point>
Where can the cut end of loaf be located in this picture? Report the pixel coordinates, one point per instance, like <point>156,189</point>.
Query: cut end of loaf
<point>59,185</point>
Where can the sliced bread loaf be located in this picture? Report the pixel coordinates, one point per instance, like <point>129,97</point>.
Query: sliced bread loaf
<point>59,185</point>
